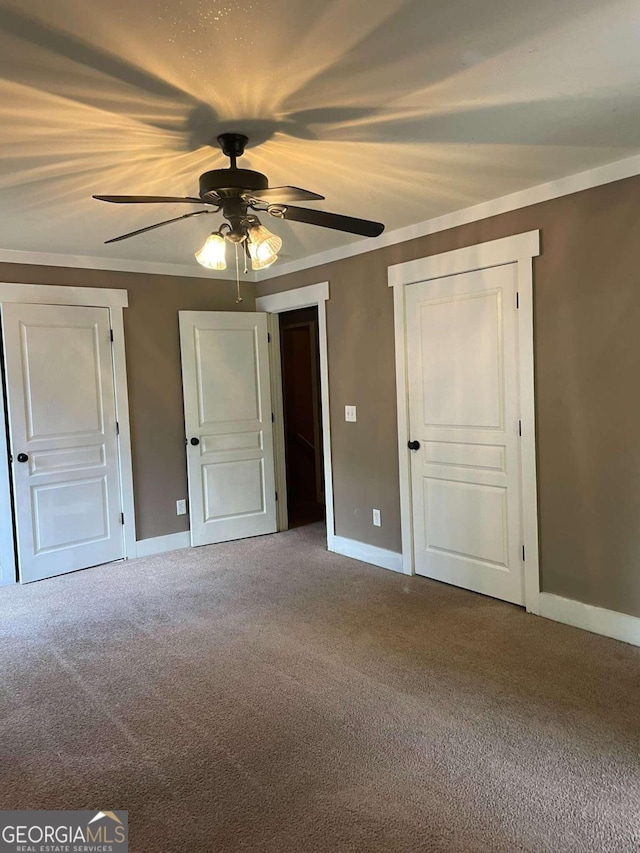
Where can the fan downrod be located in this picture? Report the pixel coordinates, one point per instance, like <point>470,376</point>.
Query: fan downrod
<point>233,145</point>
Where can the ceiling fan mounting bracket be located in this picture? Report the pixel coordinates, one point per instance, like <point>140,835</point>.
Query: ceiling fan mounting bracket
<point>233,145</point>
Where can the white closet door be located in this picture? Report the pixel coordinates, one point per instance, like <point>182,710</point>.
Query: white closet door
<point>462,351</point>
<point>62,425</point>
<point>227,404</point>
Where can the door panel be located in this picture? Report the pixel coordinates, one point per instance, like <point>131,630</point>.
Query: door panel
<point>67,514</point>
<point>464,405</point>
<point>73,376</point>
<point>225,374</point>
<point>229,350</point>
<point>483,508</point>
<point>233,488</point>
<point>462,377</point>
<point>61,407</point>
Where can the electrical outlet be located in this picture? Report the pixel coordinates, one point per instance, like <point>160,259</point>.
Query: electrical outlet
<point>350,414</point>
<point>377,521</point>
<point>181,507</point>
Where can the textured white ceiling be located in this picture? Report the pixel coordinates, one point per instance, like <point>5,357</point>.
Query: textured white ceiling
<point>395,110</point>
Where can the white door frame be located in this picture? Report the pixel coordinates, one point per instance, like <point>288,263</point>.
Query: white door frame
<point>95,297</point>
<point>519,249</point>
<point>278,303</point>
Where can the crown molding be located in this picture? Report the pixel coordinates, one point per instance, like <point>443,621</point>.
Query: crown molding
<point>598,176</point>
<point>88,262</point>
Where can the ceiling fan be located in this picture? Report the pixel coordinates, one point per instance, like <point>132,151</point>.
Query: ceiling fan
<point>237,193</point>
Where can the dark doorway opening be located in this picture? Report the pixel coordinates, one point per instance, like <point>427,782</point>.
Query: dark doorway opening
<point>300,356</point>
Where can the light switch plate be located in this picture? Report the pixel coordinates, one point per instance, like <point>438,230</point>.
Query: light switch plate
<point>181,507</point>
<point>377,521</point>
<point>350,414</point>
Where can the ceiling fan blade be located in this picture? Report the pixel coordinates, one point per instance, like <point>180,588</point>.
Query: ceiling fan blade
<point>146,199</point>
<point>157,225</point>
<point>284,194</point>
<point>327,220</point>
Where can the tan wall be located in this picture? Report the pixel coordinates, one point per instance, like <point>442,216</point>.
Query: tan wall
<point>154,377</point>
<point>587,358</point>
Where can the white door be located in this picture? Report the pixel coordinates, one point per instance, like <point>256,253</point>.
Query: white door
<point>462,351</point>
<point>227,410</point>
<point>62,426</point>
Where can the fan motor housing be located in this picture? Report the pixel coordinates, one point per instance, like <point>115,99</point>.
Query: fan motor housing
<point>228,182</point>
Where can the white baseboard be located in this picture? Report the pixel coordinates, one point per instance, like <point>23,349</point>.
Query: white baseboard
<point>619,626</point>
<point>366,553</point>
<point>162,544</point>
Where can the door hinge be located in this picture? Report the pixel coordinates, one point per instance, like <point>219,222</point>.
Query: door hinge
<point>117,428</point>
<point>273,418</point>
<point>121,518</point>
<point>517,299</point>
<point>523,557</point>
<point>111,335</point>
<point>268,337</point>
<point>276,496</point>
<point>520,428</point>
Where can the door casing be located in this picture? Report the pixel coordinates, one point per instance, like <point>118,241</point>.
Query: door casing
<point>116,301</point>
<point>277,303</point>
<point>519,249</point>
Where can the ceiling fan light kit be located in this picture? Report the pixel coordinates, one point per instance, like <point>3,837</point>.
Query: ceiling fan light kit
<point>235,193</point>
<point>263,246</point>
<point>212,254</point>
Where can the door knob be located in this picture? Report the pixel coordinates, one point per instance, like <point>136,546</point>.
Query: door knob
<point>195,441</point>
<point>413,445</point>
<point>22,457</point>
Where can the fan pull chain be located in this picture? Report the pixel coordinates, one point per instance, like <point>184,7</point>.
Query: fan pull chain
<point>239,298</point>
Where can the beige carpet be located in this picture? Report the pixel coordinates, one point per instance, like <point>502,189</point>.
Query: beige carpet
<point>266,695</point>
